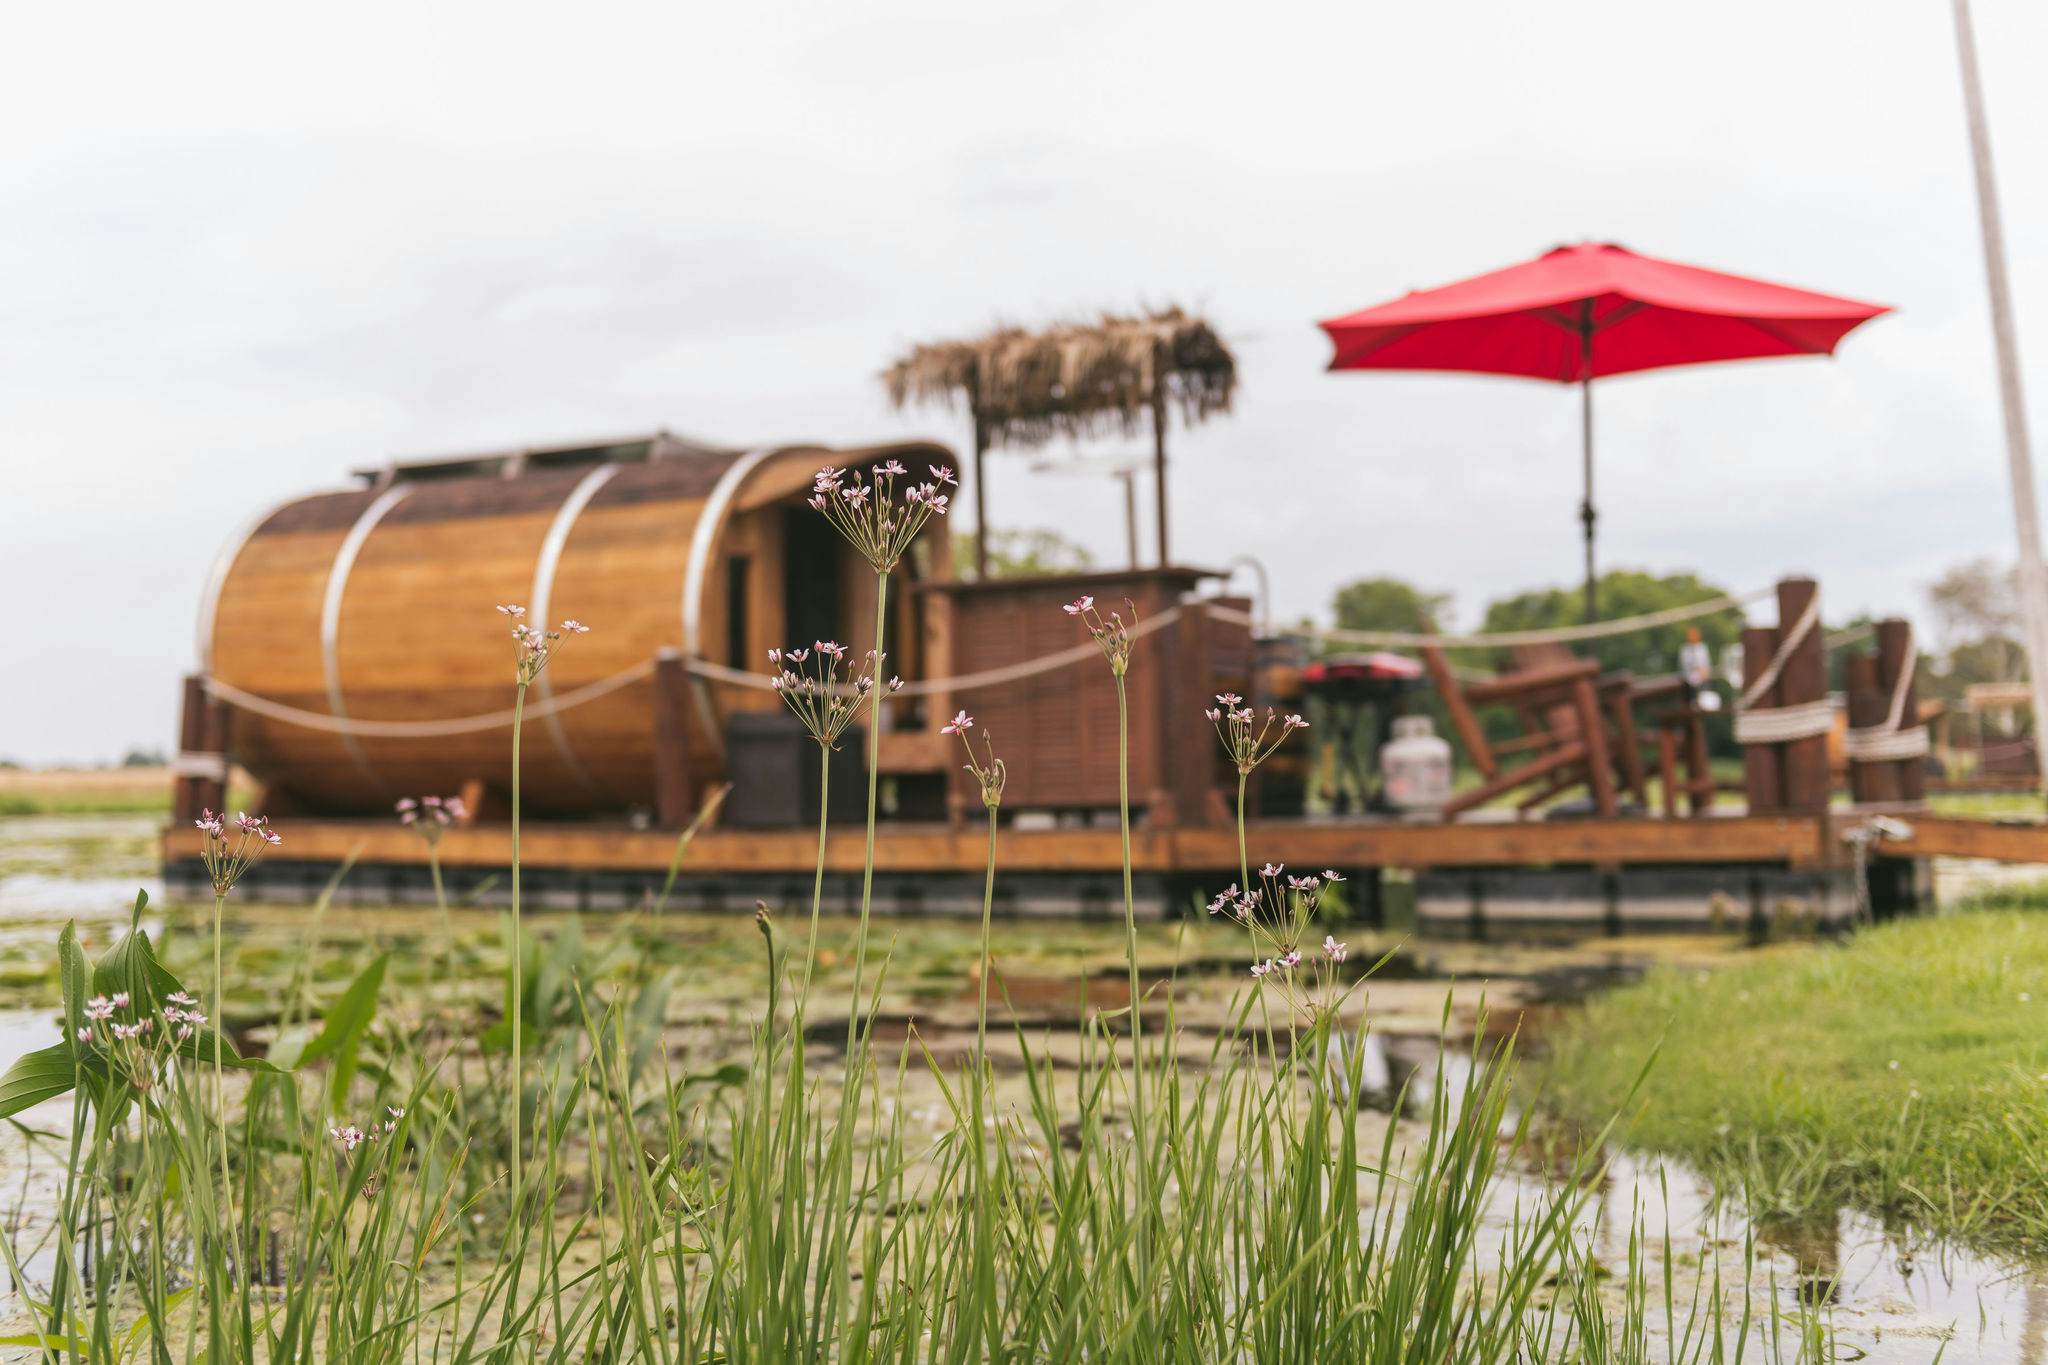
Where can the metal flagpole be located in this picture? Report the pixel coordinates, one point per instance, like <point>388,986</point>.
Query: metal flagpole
<point>2025,509</point>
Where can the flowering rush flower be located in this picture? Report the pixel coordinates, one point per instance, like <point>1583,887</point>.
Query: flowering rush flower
<point>1111,632</point>
<point>534,646</point>
<point>429,816</point>
<point>231,848</point>
<point>821,691</point>
<point>1276,911</point>
<point>989,772</point>
<point>881,513</point>
<point>1248,741</point>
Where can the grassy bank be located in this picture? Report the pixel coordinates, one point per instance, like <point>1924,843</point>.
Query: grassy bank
<point>1904,1072</point>
<point>84,791</point>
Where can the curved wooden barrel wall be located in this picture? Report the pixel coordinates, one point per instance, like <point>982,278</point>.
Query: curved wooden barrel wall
<point>377,604</point>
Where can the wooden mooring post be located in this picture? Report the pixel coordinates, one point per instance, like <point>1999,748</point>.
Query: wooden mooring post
<point>1783,722</point>
<point>1886,743</point>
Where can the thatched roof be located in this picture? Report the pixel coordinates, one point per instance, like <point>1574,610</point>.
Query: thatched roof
<point>1073,379</point>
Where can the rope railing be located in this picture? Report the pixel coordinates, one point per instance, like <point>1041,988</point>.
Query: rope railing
<point>1561,635</point>
<point>981,679</point>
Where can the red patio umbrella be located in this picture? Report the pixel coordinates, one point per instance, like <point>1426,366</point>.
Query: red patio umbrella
<point>1579,312</point>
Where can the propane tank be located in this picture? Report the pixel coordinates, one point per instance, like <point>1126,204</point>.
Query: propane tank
<point>1415,767</point>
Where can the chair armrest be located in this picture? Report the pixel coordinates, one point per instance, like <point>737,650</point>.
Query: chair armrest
<point>1656,689</point>
<point>1536,680</point>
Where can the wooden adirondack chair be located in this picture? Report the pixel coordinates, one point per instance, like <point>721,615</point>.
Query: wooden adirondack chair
<point>1676,729</point>
<point>1564,739</point>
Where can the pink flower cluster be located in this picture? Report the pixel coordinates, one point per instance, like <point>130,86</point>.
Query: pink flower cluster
<point>232,846</point>
<point>144,1056</point>
<point>989,772</point>
<point>430,816</point>
<point>1111,633</point>
<point>1277,912</point>
<point>879,516</point>
<point>811,683</point>
<point>1248,741</point>
<point>533,646</point>
<point>351,1137</point>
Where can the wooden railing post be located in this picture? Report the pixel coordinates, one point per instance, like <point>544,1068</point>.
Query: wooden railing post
<point>1763,785</point>
<point>672,785</point>
<point>1870,782</point>
<point>1804,679</point>
<point>1895,655</point>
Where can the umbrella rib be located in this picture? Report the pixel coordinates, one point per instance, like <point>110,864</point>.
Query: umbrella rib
<point>1394,334</point>
<point>1771,330</point>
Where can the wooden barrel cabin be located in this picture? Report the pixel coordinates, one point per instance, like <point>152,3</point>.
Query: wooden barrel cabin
<point>376,604</point>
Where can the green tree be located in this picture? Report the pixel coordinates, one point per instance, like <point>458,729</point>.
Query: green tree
<point>1624,592</point>
<point>1389,604</point>
<point>1022,554</point>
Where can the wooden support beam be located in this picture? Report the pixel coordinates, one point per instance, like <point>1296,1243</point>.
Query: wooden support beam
<point>185,786</point>
<point>1804,679</point>
<point>673,781</point>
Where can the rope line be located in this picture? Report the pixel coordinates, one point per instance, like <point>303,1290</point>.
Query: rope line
<point>966,682</point>
<point>1597,630</point>
<point>420,729</point>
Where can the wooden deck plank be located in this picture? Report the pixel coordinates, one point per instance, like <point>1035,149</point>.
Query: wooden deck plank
<point>1936,836</point>
<point>1796,840</point>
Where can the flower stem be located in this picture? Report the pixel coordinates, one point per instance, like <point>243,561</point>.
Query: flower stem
<point>441,903</point>
<point>867,875</point>
<point>1144,1157</point>
<point>817,876</point>
<point>518,963</point>
<point>220,1094</point>
<point>981,1102</point>
<point>988,901</point>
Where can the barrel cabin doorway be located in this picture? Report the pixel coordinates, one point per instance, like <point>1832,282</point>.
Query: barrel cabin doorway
<point>813,578</point>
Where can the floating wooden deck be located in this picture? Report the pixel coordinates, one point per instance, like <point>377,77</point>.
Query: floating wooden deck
<point>1562,869</point>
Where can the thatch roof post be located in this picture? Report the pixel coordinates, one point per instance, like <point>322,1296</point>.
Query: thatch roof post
<point>1159,444</point>
<point>980,471</point>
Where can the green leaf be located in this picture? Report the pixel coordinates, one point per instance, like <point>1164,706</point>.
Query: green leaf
<point>341,1036</point>
<point>131,966</point>
<point>36,1077</point>
<point>76,976</point>
<point>644,1022</point>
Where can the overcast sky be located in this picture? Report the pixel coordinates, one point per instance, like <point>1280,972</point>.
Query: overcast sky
<point>248,246</point>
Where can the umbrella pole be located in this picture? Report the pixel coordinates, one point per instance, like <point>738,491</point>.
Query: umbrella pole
<point>1587,515</point>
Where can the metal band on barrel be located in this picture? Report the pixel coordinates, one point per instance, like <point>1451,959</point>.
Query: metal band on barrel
<point>542,599</point>
<point>330,612</point>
